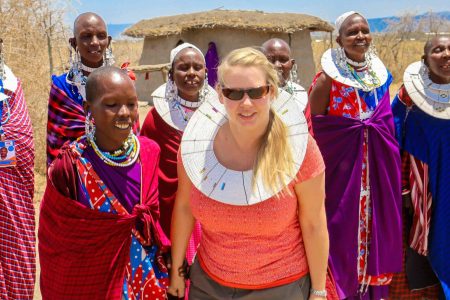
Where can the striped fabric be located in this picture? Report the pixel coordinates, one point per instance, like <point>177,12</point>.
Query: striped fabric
<point>421,201</point>
<point>415,180</point>
<point>65,120</point>
<point>17,235</point>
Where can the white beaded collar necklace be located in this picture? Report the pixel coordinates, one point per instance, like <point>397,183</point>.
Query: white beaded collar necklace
<point>430,97</point>
<point>89,69</point>
<point>355,63</point>
<point>189,104</point>
<point>170,113</point>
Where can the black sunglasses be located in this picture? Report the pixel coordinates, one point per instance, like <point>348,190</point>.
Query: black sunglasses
<point>253,93</point>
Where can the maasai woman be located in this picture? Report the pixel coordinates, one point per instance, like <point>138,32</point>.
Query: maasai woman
<point>17,235</point>
<point>422,119</point>
<point>354,128</point>
<point>174,104</point>
<point>278,53</point>
<point>99,234</point>
<point>65,104</point>
<point>254,179</point>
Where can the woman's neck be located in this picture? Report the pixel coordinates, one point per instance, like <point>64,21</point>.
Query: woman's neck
<point>236,148</point>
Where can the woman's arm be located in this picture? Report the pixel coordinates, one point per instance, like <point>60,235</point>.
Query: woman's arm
<point>313,222</point>
<point>319,97</point>
<point>182,226</point>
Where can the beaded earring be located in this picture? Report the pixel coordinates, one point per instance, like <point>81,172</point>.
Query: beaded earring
<point>293,73</point>
<point>424,71</point>
<point>341,58</point>
<point>108,57</point>
<point>204,91</point>
<point>171,89</point>
<point>89,127</point>
<point>2,61</point>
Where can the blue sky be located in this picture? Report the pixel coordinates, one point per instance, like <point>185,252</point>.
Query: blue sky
<point>132,11</point>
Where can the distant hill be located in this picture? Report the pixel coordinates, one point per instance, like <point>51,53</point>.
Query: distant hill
<point>381,24</point>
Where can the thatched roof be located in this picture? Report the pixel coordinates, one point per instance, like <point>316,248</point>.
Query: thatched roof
<point>230,19</point>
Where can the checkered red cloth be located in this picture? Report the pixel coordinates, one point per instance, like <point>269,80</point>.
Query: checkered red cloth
<point>84,252</point>
<point>65,121</point>
<point>17,237</point>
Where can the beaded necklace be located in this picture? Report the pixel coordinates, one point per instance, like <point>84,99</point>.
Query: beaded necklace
<point>130,152</point>
<point>367,85</point>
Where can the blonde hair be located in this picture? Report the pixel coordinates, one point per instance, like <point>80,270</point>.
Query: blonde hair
<point>274,160</point>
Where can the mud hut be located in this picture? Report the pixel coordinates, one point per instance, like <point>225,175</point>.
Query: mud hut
<point>228,29</point>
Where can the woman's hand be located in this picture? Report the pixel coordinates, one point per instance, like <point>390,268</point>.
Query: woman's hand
<point>177,285</point>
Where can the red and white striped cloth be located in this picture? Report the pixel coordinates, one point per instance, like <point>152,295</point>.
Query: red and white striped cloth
<point>421,203</point>
<point>17,234</point>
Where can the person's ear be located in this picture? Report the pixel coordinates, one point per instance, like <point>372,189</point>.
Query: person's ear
<point>73,42</point>
<point>86,107</point>
<point>424,59</point>
<point>338,40</point>
<point>109,40</point>
<point>219,93</point>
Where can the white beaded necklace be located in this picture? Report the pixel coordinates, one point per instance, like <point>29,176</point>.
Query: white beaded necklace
<point>89,69</point>
<point>355,63</point>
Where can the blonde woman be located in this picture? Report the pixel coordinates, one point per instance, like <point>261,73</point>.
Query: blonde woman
<point>253,177</point>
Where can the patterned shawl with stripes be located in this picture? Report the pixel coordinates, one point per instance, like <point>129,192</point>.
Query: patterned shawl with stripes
<point>17,235</point>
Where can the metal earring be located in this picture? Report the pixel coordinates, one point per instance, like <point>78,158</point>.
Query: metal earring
<point>341,58</point>
<point>293,73</point>
<point>424,71</point>
<point>108,57</point>
<point>204,91</point>
<point>171,89</point>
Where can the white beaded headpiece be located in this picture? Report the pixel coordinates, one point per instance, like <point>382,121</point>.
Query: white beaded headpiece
<point>178,49</point>
<point>340,20</point>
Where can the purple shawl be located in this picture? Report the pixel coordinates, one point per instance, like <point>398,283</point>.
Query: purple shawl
<point>340,140</point>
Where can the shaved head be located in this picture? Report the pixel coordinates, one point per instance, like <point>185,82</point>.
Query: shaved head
<point>429,44</point>
<point>275,43</point>
<point>82,18</point>
<point>278,53</point>
<point>99,82</point>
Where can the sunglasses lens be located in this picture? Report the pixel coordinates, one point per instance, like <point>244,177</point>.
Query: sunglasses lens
<point>258,93</point>
<point>255,93</point>
<point>233,94</point>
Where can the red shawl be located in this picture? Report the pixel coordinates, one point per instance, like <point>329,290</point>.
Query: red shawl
<point>169,139</point>
<point>84,252</point>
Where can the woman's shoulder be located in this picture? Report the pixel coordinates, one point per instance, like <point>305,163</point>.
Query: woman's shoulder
<point>148,145</point>
<point>313,163</point>
<point>59,80</point>
<point>62,171</point>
